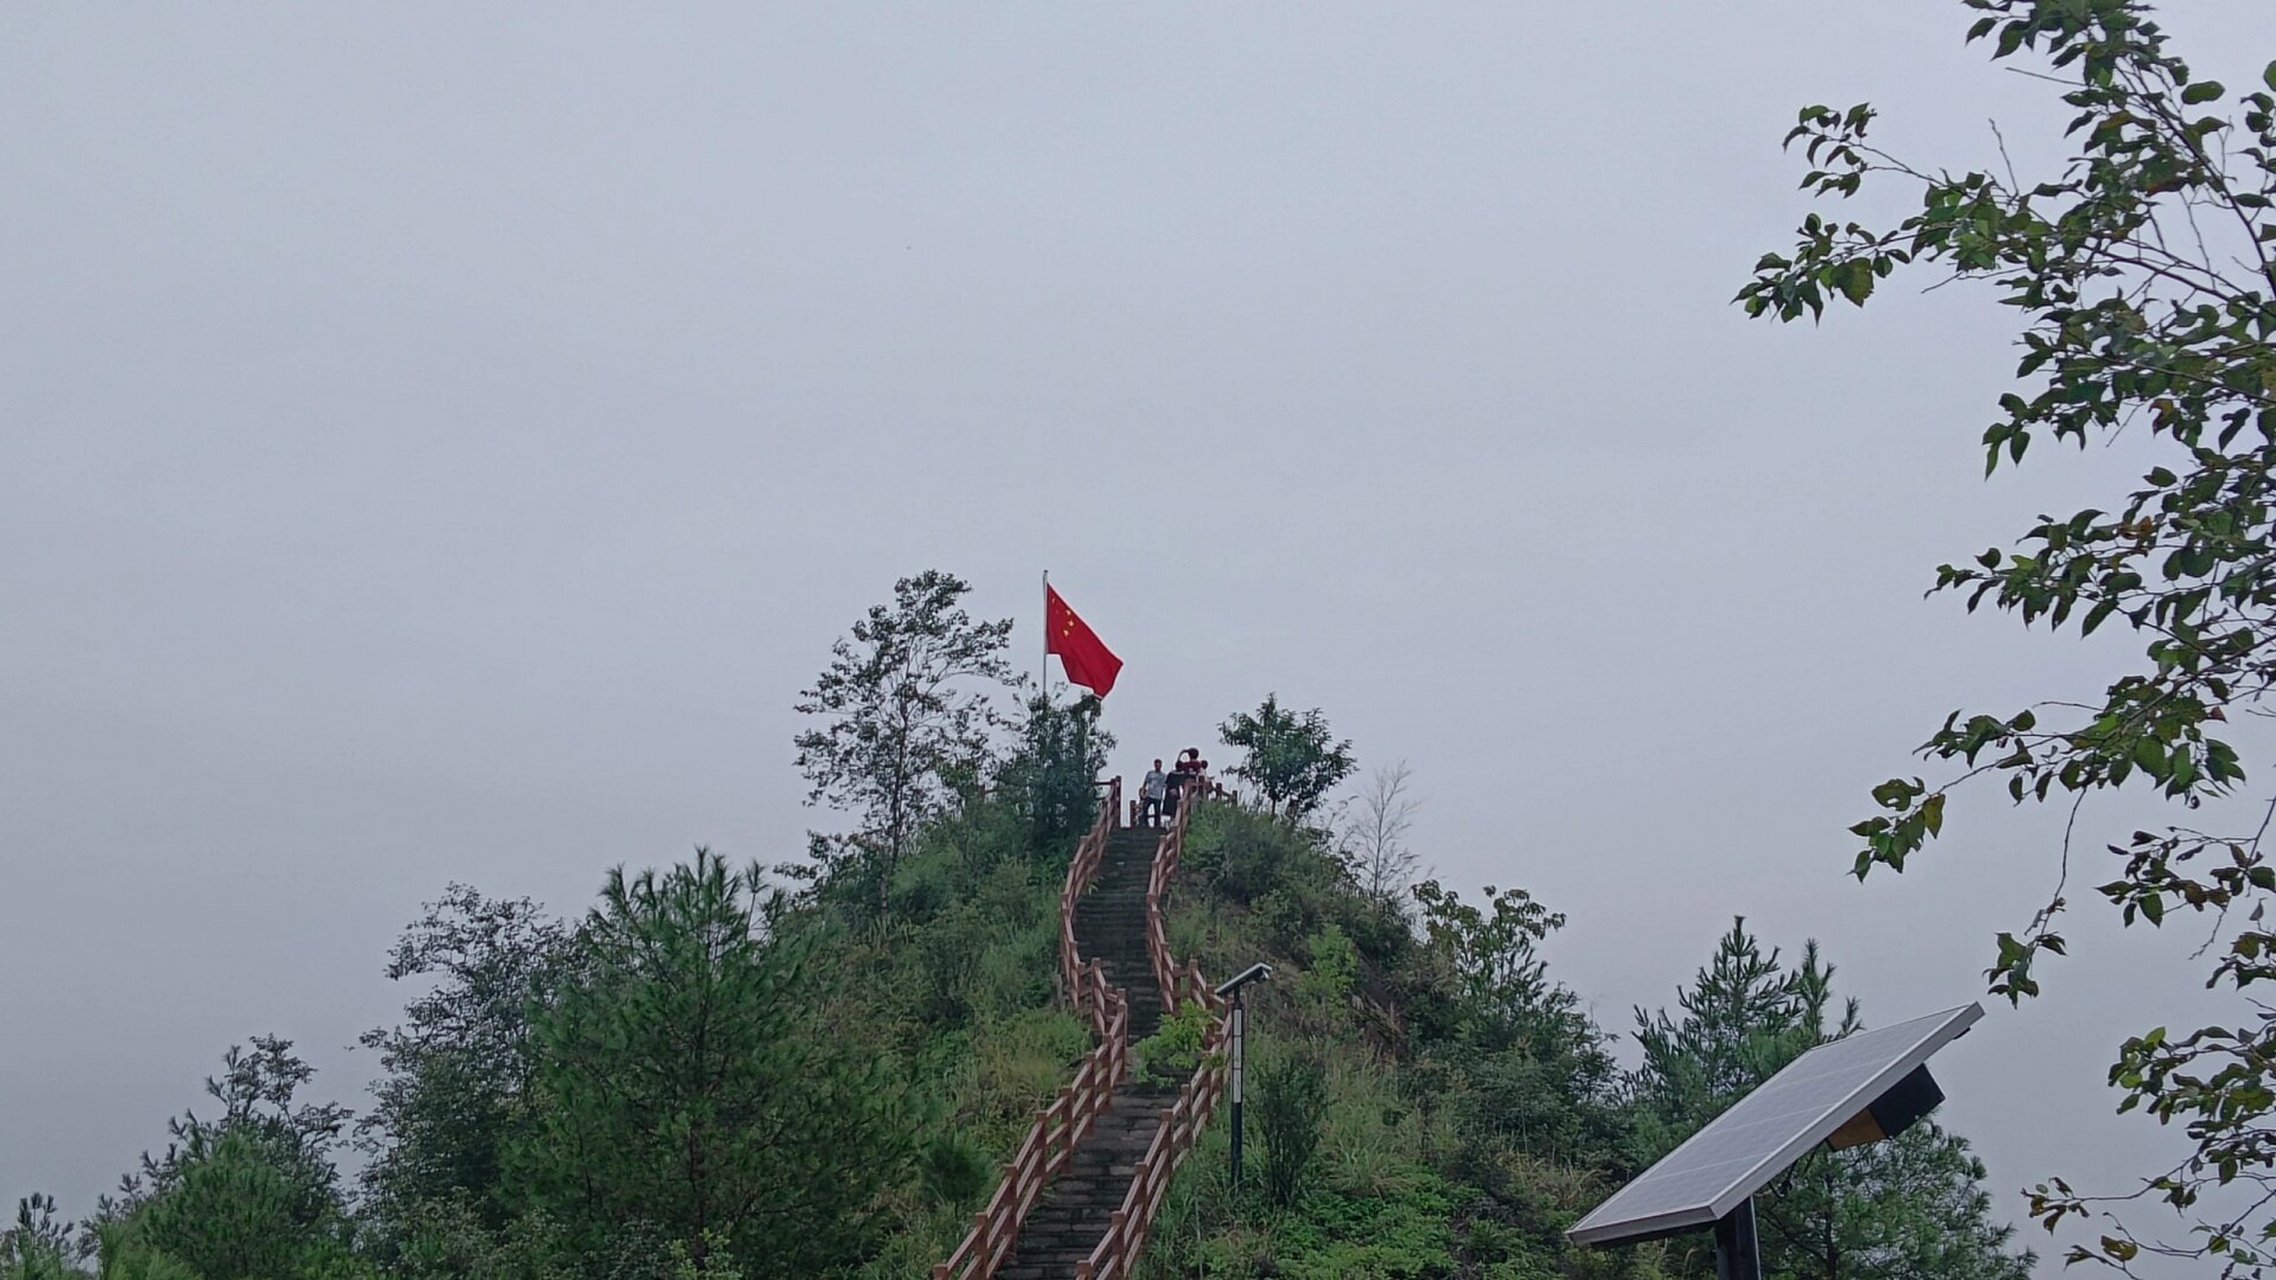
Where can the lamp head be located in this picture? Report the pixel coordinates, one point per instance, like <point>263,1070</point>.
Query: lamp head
<point>1257,972</point>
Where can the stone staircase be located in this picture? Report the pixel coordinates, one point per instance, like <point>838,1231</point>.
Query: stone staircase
<point>1077,1208</point>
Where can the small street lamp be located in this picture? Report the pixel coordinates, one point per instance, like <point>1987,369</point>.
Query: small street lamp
<point>1232,990</point>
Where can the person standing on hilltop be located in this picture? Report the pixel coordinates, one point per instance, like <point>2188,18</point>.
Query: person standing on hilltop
<point>1193,774</point>
<point>1151,791</point>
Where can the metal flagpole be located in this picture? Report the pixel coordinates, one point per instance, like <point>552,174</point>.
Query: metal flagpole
<point>1043,673</point>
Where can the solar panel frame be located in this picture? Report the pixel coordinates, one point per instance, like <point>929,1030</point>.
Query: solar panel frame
<point>1833,1082</point>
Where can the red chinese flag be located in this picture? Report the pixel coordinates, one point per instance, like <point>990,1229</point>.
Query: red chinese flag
<point>1089,663</point>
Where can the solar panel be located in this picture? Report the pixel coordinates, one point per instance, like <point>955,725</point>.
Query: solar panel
<point>1740,1151</point>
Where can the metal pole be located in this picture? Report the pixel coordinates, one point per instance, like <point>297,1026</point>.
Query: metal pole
<point>1240,1053</point>
<point>1738,1256</point>
<point>1043,673</point>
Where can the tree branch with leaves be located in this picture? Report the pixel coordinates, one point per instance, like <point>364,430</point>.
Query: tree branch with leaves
<point>2142,274</point>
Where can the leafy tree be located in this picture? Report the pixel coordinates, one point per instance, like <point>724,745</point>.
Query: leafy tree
<point>1494,957</point>
<point>252,1192</point>
<point>1911,1206</point>
<point>1533,1073</point>
<point>2141,275</point>
<point>459,1067</point>
<point>1291,756</point>
<point>687,1085</point>
<point>448,1239</point>
<point>258,1091</point>
<point>906,716</point>
<point>1050,774</point>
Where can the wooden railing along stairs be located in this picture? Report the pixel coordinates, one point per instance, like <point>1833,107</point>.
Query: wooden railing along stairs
<point>1084,1190</point>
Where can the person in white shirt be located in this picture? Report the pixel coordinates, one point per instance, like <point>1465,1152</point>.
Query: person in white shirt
<point>1151,790</point>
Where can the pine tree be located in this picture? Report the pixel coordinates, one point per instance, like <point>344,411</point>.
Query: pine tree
<point>689,1089</point>
<point>39,1246</point>
<point>1897,1210</point>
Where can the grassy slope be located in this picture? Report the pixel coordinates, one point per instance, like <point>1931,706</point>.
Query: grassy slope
<point>957,988</point>
<point>1422,1169</point>
<point>1433,1160</point>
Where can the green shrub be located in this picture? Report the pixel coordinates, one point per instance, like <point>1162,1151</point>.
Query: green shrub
<point>1291,1112</point>
<point>1013,973</point>
<point>1338,1237</point>
<point>1334,972</point>
<point>1174,1052</point>
<point>446,1240</point>
<point>954,1169</point>
<point>717,1262</point>
<point>923,887</point>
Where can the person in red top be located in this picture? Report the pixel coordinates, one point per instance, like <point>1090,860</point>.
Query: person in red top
<point>1192,775</point>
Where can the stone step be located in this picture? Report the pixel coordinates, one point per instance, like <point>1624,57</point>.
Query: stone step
<point>1110,927</point>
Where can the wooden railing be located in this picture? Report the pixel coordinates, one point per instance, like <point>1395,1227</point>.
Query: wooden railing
<point>1182,1124</point>
<point>1179,985</point>
<point>1059,1128</point>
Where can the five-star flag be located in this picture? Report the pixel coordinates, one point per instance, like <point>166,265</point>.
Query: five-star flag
<point>1089,662</point>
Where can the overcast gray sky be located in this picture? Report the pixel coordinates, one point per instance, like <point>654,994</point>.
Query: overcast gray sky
<point>437,443</point>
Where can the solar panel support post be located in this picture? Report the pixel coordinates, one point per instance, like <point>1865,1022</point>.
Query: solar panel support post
<point>1738,1256</point>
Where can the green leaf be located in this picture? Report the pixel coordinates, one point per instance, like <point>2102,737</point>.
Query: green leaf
<point>1856,282</point>
<point>2150,755</point>
<point>2202,91</point>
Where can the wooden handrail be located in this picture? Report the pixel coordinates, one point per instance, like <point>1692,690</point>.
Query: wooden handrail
<point>1182,1123</point>
<point>1060,1127</point>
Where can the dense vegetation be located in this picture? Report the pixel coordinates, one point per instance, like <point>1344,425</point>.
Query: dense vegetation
<point>723,1072</point>
<point>708,1077</point>
<point>1428,1100</point>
